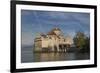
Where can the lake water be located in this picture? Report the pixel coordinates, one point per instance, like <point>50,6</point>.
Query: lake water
<point>27,55</point>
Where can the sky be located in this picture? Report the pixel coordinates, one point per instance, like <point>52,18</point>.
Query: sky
<point>34,22</point>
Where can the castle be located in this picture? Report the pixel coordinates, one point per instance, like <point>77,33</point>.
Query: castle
<point>52,41</point>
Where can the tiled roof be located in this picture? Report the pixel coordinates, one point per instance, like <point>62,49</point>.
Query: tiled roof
<point>52,31</point>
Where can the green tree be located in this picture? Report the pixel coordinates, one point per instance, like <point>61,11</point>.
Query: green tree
<point>79,40</point>
<point>86,47</point>
<point>82,42</point>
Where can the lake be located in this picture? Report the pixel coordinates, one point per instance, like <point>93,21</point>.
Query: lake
<point>28,56</point>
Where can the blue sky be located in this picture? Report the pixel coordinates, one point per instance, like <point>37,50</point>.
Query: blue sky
<point>33,22</point>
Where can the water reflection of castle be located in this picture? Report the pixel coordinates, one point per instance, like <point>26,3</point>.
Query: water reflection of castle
<point>52,41</point>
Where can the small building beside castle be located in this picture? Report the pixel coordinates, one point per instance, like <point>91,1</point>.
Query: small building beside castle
<point>53,41</point>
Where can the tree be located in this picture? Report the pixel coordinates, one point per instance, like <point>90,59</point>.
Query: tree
<point>82,42</point>
<point>86,47</point>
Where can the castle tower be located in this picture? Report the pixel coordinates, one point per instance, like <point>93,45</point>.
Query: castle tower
<point>57,31</point>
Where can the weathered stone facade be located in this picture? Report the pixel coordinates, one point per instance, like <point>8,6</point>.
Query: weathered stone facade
<point>52,41</point>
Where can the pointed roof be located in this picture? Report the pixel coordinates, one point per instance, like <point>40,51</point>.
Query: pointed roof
<point>56,29</point>
<point>52,31</point>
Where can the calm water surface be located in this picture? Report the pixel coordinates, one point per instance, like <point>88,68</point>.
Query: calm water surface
<point>27,55</point>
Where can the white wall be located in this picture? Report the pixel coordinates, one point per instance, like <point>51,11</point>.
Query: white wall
<point>5,37</point>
